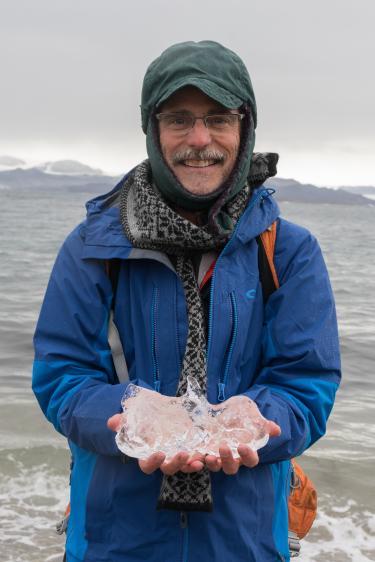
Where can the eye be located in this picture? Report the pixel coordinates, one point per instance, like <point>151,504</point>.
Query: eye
<point>220,121</point>
<point>177,122</point>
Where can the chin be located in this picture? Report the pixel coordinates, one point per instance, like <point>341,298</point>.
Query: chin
<point>199,187</point>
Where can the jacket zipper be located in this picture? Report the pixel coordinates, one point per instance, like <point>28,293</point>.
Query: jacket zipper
<point>155,367</point>
<point>260,196</point>
<point>185,535</point>
<point>178,340</point>
<point>234,317</point>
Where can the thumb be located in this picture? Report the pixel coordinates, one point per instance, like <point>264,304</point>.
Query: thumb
<point>114,423</point>
<point>273,429</point>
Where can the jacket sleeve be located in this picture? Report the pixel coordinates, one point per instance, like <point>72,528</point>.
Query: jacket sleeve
<point>300,369</point>
<point>73,374</point>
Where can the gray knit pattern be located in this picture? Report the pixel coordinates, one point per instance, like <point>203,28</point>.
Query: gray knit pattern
<point>150,223</point>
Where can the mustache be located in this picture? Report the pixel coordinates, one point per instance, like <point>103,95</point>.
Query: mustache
<point>192,154</point>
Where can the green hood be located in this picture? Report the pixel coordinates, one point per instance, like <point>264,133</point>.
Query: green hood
<point>220,74</point>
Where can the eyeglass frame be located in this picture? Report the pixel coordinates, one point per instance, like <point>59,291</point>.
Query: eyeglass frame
<point>195,118</point>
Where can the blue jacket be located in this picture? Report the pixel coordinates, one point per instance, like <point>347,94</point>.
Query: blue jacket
<point>284,355</point>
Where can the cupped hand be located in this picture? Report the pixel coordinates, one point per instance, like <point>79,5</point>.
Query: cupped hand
<point>247,456</point>
<point>187,463</point>
<point>114,423</point>
<point>182,461</point>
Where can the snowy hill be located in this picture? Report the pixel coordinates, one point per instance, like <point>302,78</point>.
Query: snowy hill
<point>69,167</point>
<point>292,190</point>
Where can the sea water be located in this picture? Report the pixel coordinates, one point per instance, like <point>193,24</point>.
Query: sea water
<point>34,460</point>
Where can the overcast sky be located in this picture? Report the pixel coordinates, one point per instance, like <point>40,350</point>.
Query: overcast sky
<point>72,70</point>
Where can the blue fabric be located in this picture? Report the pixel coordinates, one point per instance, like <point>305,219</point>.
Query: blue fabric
<point>281,474</point>
<point>83,464</point>
<point>285,356</point>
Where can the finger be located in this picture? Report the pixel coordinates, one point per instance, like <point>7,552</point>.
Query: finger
<point>152,463</point>
<point>196,457</point>
<point>273,429</point>
<point>248,456</point>
<point>114,423</point>
<point>195,466</point>
<point>213,463</point>
<point>174,465</point>
<point>229,464</point>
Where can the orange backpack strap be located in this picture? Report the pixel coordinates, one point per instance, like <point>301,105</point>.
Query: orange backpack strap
<point>303,502</point>
<point>268,238</point>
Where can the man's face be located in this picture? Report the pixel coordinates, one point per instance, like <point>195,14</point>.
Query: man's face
<point>200,158</point>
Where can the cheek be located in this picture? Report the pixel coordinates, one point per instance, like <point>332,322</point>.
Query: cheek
<point>168,145</point>
<point>167,149</point>
<point>233,148</point>
<point>236,143</point>
<point>232,144</point>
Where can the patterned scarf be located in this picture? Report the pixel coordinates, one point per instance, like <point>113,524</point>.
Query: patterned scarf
<point>150,223</point>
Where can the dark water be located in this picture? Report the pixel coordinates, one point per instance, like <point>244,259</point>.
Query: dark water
<point>34,459</point>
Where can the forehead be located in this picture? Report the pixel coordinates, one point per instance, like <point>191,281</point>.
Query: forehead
<point>191,99</point>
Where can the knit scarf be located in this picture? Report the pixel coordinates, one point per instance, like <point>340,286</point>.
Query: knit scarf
<point>150,223</point>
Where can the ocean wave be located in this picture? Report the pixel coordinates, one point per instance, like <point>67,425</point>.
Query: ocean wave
<point>342,532</point>
<point>33,497</point>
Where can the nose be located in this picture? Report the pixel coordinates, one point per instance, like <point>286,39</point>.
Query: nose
<point>199,136</point>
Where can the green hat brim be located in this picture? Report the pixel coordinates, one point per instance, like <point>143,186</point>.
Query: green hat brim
<point>212,90</point>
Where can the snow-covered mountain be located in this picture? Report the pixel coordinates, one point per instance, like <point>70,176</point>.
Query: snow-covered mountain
<point>63,174</point>
<point>292,190</point>
<point>365,190</point>
<point>10,162</point>
<point>65,167</point>
<point>69,167</point>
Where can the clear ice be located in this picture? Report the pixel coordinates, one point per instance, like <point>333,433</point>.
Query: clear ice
<point>152,422</point>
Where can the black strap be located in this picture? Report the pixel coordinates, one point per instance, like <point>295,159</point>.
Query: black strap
<point>113,271</point>
<point>265,273</point>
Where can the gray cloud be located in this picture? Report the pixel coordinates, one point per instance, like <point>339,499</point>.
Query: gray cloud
<point>71,71</point>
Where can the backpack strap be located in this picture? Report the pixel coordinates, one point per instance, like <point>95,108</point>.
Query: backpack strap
<point>112,268</point>
<point>267,272</point>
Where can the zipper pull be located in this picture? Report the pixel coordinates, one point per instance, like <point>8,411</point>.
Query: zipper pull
<point>183,520</point>
<point>157,386</point>
<point>221,393</point>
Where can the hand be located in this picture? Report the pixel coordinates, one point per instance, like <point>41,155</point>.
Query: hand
<point>247,457</point>
<point>114,423</point>
<point>181,461</point>
<point>236,408</point>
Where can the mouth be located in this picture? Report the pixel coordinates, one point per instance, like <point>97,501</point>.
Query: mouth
<point>199,163</point>
<point>198,159</point>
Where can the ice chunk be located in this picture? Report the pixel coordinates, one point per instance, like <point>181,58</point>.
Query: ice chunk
<point>152,422</point>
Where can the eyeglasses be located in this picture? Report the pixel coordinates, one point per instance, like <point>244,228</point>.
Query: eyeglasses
<point>184,122</point>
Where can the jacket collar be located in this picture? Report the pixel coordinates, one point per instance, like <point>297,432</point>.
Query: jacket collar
<point>104,237</point>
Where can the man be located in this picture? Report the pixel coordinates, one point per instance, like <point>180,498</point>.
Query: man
<point>187,300</point>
